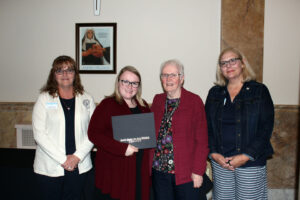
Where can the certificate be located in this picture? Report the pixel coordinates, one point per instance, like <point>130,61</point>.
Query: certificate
<point>135,129</point>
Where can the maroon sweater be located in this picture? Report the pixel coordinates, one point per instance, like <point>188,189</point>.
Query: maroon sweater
<point>189,134</point>
<point>115,173</point>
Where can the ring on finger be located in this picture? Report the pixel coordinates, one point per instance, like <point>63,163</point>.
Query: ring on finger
<point>229,163</point>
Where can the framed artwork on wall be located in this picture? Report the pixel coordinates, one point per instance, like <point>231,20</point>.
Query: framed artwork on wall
<point>96,47</point>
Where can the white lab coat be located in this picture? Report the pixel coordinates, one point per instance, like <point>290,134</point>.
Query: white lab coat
<point>48,122</point>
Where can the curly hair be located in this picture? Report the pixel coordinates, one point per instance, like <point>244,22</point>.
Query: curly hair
<point>52,86</point>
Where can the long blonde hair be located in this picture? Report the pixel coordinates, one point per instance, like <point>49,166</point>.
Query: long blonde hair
<point>247,72</point>
<point>116,94</point>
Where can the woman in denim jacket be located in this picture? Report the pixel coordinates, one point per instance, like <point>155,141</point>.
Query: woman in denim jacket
<point>240,117</point>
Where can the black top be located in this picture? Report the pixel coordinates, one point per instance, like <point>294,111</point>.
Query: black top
<point>229,132</point>
<point>69,111</point>
<point>228,127</point>
<point>139,158</point>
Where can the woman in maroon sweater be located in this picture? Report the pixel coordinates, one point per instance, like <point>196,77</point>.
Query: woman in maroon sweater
<point>179,160</point>
<point>121,170</point>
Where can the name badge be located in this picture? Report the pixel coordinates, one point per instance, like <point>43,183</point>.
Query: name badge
<point>51,105</point>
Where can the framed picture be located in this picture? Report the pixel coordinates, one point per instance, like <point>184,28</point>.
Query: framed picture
<point>96,47</point>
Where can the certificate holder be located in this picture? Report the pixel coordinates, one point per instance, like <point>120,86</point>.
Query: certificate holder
<point>135,129</point>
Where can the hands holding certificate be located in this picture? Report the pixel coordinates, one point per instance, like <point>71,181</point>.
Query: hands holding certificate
<point>124,159</point>
<point>131,150</point>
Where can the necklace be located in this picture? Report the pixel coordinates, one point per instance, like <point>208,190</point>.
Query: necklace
<point>66,101</point>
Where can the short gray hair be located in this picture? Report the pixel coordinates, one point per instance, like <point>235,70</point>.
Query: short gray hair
<point>175,63</point>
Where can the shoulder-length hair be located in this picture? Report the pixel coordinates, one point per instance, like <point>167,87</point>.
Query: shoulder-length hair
<point>52,86</point>
<point>116,94</point>
<point>247,71</point>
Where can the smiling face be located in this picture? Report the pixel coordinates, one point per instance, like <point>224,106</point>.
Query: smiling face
<point>65,76</point>
<point>232,71</point>
<point>128,92</point>
<point>172,85</point>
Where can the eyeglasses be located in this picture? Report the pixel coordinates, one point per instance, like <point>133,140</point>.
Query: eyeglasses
<point>171,76</point>
<point>133,84</point>
<point>61,71</point>
<point>231,62</point>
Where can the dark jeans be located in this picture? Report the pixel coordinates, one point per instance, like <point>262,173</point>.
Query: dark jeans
<point>67,187</point>
<point>164,188</point>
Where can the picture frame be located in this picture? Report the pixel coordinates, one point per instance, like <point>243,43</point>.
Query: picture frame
<point>96,47</point>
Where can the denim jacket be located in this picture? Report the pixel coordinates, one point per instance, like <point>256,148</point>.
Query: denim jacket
<point>254,112</point>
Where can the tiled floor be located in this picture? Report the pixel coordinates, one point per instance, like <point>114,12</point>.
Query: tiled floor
<point>275,194</point>
<point>281,194</point>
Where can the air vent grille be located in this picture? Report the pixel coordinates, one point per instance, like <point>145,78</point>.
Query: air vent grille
<point>25,138</point>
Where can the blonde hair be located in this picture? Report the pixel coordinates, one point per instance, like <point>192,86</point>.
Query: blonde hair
<point>247,71</point>
<point>116,94</point>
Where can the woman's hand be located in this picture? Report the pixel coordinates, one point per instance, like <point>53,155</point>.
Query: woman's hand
<point>197,180</point>
<point>130,150</point>
<point>223,162</point>
<point>237,160</point>
<point>71,163</point>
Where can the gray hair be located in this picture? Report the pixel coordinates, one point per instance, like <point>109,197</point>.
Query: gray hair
<point>175,63</point>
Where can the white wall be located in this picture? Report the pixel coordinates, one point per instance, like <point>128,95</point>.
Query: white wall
<point>282,50</point>
<point>34,32</point>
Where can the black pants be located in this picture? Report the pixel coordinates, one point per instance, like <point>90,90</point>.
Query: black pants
<point>100,196</point>
<point>67,187</point>
<point>164,188</point>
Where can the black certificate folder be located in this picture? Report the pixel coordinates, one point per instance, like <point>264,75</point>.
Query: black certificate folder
<point>135,129</point>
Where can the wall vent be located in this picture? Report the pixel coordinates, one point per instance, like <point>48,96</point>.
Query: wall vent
<point>25,138</point>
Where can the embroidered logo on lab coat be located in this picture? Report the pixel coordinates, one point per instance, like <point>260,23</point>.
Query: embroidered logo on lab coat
<point>86,103</point>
